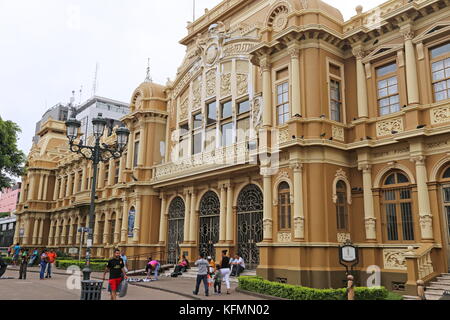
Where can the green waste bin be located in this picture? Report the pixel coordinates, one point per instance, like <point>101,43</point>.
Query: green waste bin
<point>91,289</point>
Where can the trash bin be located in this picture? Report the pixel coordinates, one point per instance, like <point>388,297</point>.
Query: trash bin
<point>91,289</point>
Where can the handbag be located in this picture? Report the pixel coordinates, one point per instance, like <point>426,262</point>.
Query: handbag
<point>123,288</point>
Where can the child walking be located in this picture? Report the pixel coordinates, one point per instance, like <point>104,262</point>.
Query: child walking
<point>218,280</point>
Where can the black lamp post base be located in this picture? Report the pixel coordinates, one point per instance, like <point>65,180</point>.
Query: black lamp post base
<point>87,273</point>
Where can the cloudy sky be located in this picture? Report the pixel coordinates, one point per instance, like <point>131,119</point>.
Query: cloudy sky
<point>50,47</point>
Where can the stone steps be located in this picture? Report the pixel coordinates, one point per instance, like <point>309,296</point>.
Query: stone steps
<point>411,298</point>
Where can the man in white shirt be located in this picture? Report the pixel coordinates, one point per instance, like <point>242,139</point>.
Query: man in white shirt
<point>238,265</point>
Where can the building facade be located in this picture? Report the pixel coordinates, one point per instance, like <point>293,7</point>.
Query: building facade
<point>7,227</point>
<point>286,132</point>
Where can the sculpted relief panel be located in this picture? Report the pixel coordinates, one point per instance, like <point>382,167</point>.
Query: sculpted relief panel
<point>386,127</point>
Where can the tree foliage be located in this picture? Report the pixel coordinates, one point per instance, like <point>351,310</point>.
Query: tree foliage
<point>11,158</point>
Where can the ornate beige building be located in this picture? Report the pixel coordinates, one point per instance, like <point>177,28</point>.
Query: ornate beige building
<point>286,132</point>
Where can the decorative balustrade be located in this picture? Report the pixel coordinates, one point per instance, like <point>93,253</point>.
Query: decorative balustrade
<point>419,265</point>
<point>222,157</point>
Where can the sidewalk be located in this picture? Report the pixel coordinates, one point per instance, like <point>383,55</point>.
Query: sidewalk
<point>179,286</point>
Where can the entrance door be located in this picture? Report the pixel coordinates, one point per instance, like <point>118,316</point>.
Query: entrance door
<point>209,223</point>
<point>250,206</point>
<point>176,229</point>
<point>446,198</point>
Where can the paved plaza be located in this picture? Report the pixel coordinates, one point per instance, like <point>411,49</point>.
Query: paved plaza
<point>165,288</point>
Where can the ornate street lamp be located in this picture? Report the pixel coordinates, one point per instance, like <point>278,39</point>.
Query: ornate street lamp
<point>97,153</point>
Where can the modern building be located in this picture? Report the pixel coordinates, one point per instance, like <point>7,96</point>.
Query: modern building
<point>110,109</point>
<point>286,133</point>
<point>58,112</point>
<point>9,198</point>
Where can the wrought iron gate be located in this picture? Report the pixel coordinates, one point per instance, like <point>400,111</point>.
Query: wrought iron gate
<point>176,229</point>
<point>209,223</point>
<point>250,224</point>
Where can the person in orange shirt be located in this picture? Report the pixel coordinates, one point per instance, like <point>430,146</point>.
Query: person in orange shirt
<point>51,260</point>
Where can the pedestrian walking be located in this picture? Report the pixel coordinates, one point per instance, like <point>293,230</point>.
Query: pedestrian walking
<point>116,269</point>
<point>202,274</point>
<point>218,280</point>
<point>43,264</point>
<point>34,257</point>
<point>9,251</point>
<point>23,264</point>
<point>125,260</point>
<point>225,269</point>
<point>51,260</point>
<point>17,248</point>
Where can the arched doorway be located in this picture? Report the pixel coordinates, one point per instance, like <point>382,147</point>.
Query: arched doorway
<point>445,183</point>
<point>209,223</point>
<point>176,229</point>
<point>250,206</point>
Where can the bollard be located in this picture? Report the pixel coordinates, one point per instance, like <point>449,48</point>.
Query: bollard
<point>421,290</point>
<point>350,288</point>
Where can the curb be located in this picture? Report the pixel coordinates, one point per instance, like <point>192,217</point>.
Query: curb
<point>259,295</point>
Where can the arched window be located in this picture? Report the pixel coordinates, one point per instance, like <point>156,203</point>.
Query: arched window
<point>284,206</point>
<point>112,228</point>
<point>341,206</point>
<point>396,201</point>
<point>446,174</point>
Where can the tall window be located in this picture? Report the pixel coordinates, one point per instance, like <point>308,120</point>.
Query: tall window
<point>396,200</point>
<point>284,206</point>
<point>341,206</point>
<point>446,198</point>
<point>440,68</point>
<point>184,140</point>
<point>283,103</point>
<point>106,177</point>
<point>243,121</point>
<point>80,180</point>
<point>388,95</point>
<point>226,110</point>
<point>227,134</point>
<point>116,171</point>
<point>197,138</point>
<point>211,110</point>
<point>136,149</point>
<point>335,100</point>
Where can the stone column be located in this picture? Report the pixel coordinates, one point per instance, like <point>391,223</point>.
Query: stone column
<point>369,214</point>
<point>107,229</point>
<point>193,218</point>
<point>96,225</point>
<point>299,210</point>
<point>71,220</point>
<point>63,236</point>
<point>411,67</point>
<point>41,231</point>
<point>296,92</point>
<point>363,109</point>
<point>223,214</point>
<point>83,179</point>
<point>101,176</point>
<point>78,234</point>
<point>112,172</point>
<point>69,190</point>
<point>44,196</point>
<point>41,187</point>
<point>26,238</point>
<point>266,68</point>
<point>76,182</point>
<point>130,151</point>
<point>51,233</point>
<point>187,218</point>
<point>35,230</point>
<point>124,235</point>
<point>426,217</point>
<point>22,193</point>
<point>229,219</point>
<point>32,186</point>
<point>268,219</point>
<point>17,228</point>
<point>137,221</point>
<point>57,186</point>
<point>142,143</point>
<point>163,220</point>
<point>57,233</point>
<point>121,168</point>
<point>61,188</point>
<point>117,227</point>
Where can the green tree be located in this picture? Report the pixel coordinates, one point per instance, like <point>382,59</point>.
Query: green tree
<point>11,158</point>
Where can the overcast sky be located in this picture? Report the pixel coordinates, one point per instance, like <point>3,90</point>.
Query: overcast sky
<point>50,47</point>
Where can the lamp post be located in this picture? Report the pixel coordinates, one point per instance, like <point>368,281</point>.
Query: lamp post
<point>97,153</point>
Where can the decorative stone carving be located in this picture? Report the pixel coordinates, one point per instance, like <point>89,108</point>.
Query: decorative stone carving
<point>184,110</point>
<point>242,84</point>
<point>138,103</point>
<point>211,83</point>
<point>225,85</point>
<point>284,237</point>
<point>294,53</point>
<point>394,259</point>
<point>338,133</point>
<point>235,49</point>
<point>426,226</point>
<point>385,128</point>
<point>196,91</point>
<point>371,225</point>
<point>283,136</point>
<point>343,237</point>
<point>279,18</point>
<point>212,53</point>
<point>440,115</point>
<point>268,227</point>
<point>299,227</point>
<point>257,112</point>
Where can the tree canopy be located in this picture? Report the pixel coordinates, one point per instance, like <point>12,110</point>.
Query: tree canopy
<point>11,158</point>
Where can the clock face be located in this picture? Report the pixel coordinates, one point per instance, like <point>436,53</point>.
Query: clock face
<point>348,253</point>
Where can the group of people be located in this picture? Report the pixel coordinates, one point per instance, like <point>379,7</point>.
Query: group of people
<point>208,269</point>
<point>25,257</point>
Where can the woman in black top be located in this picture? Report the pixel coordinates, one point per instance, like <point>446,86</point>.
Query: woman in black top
<point>225,269</point>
